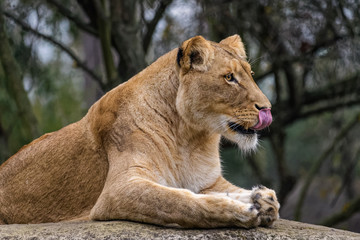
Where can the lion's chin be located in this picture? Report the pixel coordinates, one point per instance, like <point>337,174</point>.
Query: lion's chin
<point>246,142</point>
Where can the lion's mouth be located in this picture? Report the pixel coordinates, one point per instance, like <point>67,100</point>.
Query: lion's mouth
<point>240,129</point>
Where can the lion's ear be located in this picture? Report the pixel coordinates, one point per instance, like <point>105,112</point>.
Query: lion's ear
<point>196,53</point>
<point>236,44</point>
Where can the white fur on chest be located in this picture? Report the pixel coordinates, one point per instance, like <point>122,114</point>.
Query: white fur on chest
<point>194,170</point>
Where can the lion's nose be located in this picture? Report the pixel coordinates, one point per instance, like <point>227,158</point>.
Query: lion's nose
<point>265,119</point>
<point>263,107</point>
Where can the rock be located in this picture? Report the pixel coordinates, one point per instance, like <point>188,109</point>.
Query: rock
<point>282,229</point>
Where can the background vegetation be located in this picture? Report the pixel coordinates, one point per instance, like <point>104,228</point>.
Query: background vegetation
<point>59,57</point>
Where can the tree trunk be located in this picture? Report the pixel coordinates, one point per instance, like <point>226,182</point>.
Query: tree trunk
<point>126,31</point>
<point>92,52</point>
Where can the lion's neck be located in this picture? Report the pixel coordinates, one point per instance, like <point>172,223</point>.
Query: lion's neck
<point>160,83</point>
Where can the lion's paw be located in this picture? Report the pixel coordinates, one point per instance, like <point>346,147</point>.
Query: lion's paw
<point>265,201</point>
<point>248,216</point>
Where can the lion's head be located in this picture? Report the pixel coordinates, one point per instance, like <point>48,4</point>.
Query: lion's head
<point>217,92</point>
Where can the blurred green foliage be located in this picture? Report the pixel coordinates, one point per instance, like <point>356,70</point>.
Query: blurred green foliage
<point>54,88</point>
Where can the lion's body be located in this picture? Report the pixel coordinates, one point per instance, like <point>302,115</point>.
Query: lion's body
<point>146,151</point>
<point>54,178</point>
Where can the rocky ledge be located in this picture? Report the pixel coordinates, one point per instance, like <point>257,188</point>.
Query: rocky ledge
<point>282,229</point>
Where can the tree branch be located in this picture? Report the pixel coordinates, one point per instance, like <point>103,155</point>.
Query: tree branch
<point>347,22</point>
<point>350,209</point>
<point>151,26</point>
<point>50,39</point>
<point>317,164</point>
<point>335,96</point>
<point>340,88</point>
<point>327,108</point>
<point>72,17</point>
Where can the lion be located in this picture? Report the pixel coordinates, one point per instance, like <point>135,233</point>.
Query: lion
<point>148,150</point>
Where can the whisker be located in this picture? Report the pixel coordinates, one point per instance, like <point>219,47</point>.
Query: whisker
<point>229,122</point>
<point>253,61</point>
<point>222,125</point>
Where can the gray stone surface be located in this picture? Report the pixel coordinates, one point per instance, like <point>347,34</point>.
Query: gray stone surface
<point>282,229</point>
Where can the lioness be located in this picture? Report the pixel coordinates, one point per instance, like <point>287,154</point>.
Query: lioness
<point>148,150</point>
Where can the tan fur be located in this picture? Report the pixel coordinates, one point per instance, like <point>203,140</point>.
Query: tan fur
<point>148,150</point>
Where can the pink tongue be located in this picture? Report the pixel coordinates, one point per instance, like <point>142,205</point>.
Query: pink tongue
<point>265,119</point>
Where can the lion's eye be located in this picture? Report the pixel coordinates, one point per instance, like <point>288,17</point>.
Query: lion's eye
<point>229,77</point>
<point>252,73</point>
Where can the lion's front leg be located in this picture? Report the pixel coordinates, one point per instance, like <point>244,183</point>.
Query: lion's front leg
<point>143,200</point>
<point>264,199</point>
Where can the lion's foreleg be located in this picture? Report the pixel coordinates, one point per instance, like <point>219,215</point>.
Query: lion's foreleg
<point>146,201</point>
